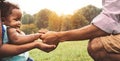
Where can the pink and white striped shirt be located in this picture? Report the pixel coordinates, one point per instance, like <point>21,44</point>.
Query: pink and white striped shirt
<point>109,19</point>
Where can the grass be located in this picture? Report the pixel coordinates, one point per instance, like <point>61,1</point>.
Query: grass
<point>66,51</point>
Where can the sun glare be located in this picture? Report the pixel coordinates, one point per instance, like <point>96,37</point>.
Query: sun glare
<point>59,6</point>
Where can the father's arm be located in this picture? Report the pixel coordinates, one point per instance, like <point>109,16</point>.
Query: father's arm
<point>87,32</point>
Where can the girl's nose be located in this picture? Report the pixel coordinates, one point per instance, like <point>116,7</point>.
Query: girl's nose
<point>19,23</point>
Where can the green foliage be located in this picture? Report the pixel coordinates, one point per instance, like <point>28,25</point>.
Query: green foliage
<point>66,51</point>
<point>27,19</point>
<point>46,18</point>
<point>89,12</point>
<point>54,22</point>
<point>78,21</point>
<point>29,28</point>
<point>42,18</point>
<point>66,23</point>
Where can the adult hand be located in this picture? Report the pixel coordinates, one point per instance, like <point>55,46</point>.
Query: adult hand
<point>44,47</point>
<point>50,38</point>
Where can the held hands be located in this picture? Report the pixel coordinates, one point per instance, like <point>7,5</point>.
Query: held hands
<point>44,45</point>
<point>50,38</point>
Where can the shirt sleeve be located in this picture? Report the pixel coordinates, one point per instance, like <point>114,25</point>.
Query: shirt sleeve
<point>106,23</point>
<point>111,6</point>
<point>109,19</point>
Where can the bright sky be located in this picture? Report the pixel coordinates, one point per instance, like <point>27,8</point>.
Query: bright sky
<point>59,6</point>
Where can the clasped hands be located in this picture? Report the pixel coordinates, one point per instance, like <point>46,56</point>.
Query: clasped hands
<point>50,38</point>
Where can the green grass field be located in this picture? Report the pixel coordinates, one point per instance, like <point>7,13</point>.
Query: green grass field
<point>66,51</point>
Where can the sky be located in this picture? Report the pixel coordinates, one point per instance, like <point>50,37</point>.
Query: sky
<point>59,6</point>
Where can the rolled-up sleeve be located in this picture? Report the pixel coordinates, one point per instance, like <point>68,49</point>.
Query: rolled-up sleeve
<point>109,19</point>
<point>106,23</point>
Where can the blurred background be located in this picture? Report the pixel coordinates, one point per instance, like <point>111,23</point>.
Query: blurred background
<point>59,15</point>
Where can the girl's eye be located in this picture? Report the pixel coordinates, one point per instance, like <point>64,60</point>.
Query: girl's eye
<point>17,19</point>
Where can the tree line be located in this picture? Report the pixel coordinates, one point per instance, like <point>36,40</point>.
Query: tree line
<point>47,19</point>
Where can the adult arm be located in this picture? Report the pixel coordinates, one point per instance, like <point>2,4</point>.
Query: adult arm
<point>87,32</point>
<point>0,27</point>
<point>12,50</point>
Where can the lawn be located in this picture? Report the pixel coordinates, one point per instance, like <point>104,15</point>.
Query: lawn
<point>66,51</point>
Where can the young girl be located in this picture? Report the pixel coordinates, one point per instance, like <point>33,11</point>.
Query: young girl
<point>11,17</point>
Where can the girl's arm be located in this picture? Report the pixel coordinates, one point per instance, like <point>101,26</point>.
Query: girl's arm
<point>17,37</point>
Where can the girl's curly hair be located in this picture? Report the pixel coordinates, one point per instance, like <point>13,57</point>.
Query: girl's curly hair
<point>6,8</point>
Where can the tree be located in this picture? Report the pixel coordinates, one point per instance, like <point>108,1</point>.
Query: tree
<point>66,22</point>
<point>27,19</point>
<point>89,12</point>
<point>54,22</point>
<point>42,18</point>
<point>78,20</point>
<point>29,28</point>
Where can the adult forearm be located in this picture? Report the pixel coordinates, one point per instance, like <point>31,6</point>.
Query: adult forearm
<point>83,33</point>
<point>11,50</point>
<point>0,29</point>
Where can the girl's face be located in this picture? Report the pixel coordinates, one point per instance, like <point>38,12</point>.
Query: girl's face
<point>14,19</point>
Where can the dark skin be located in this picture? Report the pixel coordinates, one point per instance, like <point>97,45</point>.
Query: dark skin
<point>98,53</point>
<point>16,36</point>
<point>0,34</point>
<point>27,41</point>
<point>0,28</point>
<point>87,32</point>
<point>12,50</point>
<point>95,47</point>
